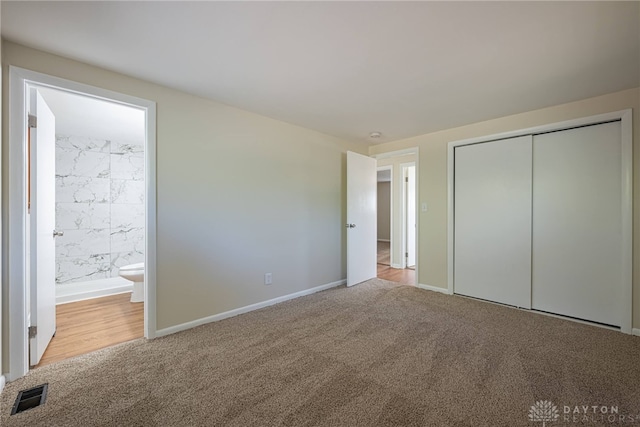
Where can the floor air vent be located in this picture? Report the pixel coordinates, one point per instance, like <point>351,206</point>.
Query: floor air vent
<point>28,399</point>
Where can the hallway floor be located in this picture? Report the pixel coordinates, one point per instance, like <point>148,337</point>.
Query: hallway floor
<point>405,277</point>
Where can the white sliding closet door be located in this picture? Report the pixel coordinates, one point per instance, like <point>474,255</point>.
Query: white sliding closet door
<point>492,216</point>
<point>577,225</point>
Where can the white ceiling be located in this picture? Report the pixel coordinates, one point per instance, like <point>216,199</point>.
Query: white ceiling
<point>90,117</point>
<point>349,68</point>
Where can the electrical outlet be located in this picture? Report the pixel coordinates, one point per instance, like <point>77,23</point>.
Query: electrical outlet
<point>268,279</point>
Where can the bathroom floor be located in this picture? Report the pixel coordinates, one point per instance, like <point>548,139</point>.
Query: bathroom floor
<point>86,326</point>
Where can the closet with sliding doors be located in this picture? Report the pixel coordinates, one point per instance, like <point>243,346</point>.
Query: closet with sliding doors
<point>541,219</point>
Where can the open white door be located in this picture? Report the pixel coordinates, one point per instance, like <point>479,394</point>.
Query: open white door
<point>410,206</point>
<point>361,218</point>
<point>42,227</point>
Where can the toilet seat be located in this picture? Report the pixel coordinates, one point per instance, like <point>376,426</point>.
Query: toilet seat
<point>134,273</point>
<point>132,267</point>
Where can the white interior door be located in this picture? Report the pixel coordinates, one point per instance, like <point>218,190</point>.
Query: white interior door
<point>411,215</point>
<point>492,217</point>
<point>577,223</point>
<point>42,224</point>
<point>361,218</point>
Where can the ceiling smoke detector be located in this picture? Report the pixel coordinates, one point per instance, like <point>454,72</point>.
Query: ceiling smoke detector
<point>375,135</point>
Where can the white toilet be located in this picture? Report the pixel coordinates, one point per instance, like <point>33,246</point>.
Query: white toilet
<point>135,273</point>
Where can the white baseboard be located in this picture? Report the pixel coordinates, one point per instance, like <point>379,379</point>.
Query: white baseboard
<point>384,240</point>
<point>434,288</point>
<point>79,291</point>
<point>246,309</point>
<point>2,383</point>
<point>397,266</point>
<point>636,332</point>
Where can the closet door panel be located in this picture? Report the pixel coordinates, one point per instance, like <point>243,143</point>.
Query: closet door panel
<point>577,246</point>
<point>492,217</point>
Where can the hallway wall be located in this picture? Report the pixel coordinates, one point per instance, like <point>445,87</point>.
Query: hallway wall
<point>384,211</point>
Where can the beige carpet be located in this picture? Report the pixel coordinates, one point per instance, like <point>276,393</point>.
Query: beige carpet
<point>372,355</point>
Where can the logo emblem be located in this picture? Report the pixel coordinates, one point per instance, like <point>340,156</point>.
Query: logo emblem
<point>545,411</point>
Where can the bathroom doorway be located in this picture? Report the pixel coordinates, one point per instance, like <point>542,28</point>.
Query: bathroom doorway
<point>78,219</point>
<point>99,221</point>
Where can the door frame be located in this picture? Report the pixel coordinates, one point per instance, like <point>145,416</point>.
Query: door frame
<point>405,211</point>
<point>626,123</point>
<point>398,153</point>
<point>19,81</point>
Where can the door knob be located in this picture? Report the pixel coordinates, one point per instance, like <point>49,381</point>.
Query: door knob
<point>57,233</point>
<point>351,226</point>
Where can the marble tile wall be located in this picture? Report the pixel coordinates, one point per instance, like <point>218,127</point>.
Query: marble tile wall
<point>99,206</point>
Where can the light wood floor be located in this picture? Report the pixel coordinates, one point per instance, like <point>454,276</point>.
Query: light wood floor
<point>86,326</point>
<point>405,276</point>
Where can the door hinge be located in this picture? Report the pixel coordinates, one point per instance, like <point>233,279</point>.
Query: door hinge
<point>406,179</point>
<point>406,254</point>
<point>33,330</point>
<point>33,121</point>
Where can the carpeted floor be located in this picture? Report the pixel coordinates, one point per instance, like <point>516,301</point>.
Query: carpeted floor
<point>372,355</point>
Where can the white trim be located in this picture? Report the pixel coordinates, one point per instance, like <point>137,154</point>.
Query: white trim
<point>384,168</point>
<point>627,220</point>
<point>450,228</point>
<point>403,210</point>
<point>80,291</point>
<point>150,225</point>
<point>398,266</point>
<point>417,200</point>
<point>434,289</point>
<point>3,381</point>
<point>16,252</point>
<point>246,309</point>
<point>636,332</point>
<point>567,124</point>
<point>392,229</point>
<point>625,117</point>
<point>397,153</point>
<point>19,79</point>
